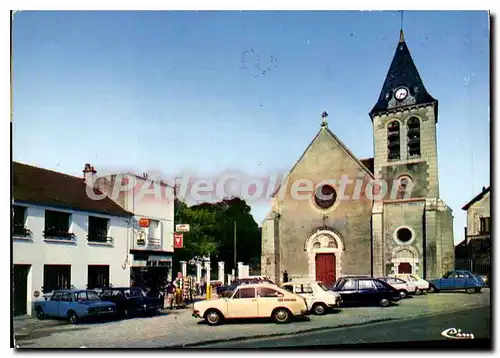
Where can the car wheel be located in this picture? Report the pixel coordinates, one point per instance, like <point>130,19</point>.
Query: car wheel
<point>319,309</point>
<point>126,313</point>
<point>384,302</point>
<point>73,318</point>
<point>403,294</point>
<point>39,313</point>
<point>281,315</point>
<point>433,289</point>
<point>213,317</point>
<point>477,289</point>
<point>470,290</point>
<point>418,292</point>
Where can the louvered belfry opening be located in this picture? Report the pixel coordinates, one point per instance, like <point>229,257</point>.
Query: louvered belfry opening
<point>393,141</point>
<point>413,137</point>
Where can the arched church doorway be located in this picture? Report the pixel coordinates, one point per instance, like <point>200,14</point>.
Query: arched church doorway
<point>325,269</point>
<point>325,250</point>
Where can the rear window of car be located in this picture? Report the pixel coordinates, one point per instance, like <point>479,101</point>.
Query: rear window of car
<point>366,285</point>
<point>268,292</point>
<point>380,284</point>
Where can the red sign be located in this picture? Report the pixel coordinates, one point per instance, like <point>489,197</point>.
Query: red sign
<point>178,244</point>
<point>144,222</point>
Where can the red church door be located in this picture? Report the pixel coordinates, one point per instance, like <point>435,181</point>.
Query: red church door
<point>404,267</point>
<point>325,268</point>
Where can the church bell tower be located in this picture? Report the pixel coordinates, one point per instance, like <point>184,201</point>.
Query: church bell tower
<point>404,126</point>
<point>412,229</point>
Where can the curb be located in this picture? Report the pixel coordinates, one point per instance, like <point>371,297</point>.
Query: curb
<point>308,330</point>
<point>245,338</point>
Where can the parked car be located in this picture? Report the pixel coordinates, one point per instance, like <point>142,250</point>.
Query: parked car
<point>405,288</point>
<point>317,295</point>
<point>252,301</point>
<point>131,301</point>
<point>457,280</point>
<point>74,305</point>
<point>422,285</point>
<point>365,291</point>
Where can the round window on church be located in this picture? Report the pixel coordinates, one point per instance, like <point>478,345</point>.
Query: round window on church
<point>325,196</point>
<point>404,235</point>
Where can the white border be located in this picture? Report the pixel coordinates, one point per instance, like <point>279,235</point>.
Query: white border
<point>195,5</point>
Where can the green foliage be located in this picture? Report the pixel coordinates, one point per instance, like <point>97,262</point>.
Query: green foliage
<point>212,232</point>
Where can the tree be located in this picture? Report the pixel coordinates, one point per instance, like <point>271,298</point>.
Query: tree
<point>212,232</point>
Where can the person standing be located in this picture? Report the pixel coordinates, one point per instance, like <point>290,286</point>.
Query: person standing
<point>285,276</point>
<point>171,294</point>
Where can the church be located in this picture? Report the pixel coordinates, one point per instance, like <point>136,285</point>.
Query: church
<point>385,216</point>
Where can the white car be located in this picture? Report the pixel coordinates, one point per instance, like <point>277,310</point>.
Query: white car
<point>262,300</point>
<point>317,295</point>
<point>422,285</point>
<point>405,288</point>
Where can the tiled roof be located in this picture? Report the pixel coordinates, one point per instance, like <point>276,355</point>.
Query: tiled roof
<point>477,198</point>
<point>369,163</point>
<point>46,187</point>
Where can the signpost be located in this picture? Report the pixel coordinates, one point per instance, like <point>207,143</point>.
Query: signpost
<point>178,241</point>
<point>182,228</point>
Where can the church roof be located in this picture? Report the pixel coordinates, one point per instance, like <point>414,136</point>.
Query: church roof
<point>402,73</point>
<point>369,163</point>
<point>365,164</point>
<point>477,197</point>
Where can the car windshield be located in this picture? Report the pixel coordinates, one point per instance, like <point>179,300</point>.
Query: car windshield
<point>322,285</point>
<point>229,292</point>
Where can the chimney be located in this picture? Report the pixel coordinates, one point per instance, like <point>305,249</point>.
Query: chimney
<point>88,169</point>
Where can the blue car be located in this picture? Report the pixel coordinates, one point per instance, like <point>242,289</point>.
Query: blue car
<point>457,280</point>
<point>74,305</point>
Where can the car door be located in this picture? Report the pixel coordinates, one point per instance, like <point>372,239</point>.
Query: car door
<point>308,294</point>
<point>243,304</point>
<point>368,293</point>
<point>460,281</point>
<point>267,301</point>
<point>65,304</point>
<point>348,291</point>
<point>448,281</point>
<point>52,304</point>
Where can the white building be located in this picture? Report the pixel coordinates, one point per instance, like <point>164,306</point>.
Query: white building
<point>62,238</point>
<point>152,231</point>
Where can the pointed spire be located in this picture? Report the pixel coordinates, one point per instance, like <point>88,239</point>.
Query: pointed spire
<point>402,74</point>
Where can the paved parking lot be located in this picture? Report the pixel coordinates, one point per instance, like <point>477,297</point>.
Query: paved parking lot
<point>179,328</point>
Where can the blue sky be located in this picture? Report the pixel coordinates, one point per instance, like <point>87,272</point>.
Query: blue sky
<point>179,91</point>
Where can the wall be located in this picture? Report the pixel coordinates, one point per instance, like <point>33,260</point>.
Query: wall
<point>480,208</point>
<point>428,144</point>
<point>397,215</point>
<point>159,206</point>
<point>350,219</point>
<point>37,252</point>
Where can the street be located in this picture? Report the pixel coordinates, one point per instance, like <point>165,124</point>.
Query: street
<point>179,329</point>
<point>476,321</point>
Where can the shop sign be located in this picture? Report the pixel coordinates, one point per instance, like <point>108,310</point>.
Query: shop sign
<point>182,227</point>
<point>178,241</point>
<point>157,263</point>
<point>143,222</point>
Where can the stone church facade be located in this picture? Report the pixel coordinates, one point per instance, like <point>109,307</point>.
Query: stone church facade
<point>336,215</point>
